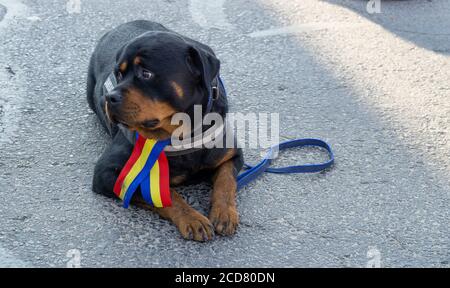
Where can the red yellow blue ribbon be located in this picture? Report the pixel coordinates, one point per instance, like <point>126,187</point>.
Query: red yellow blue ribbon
<point>148,168</point>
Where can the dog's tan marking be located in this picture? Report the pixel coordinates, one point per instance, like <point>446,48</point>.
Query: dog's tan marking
<point>108,116</point>
<point>146,108</point>
<point>223,214</point>
<point>228,155</point>
<point>137,60</point>
<point>177,180</point>
<point>178,89</point>
<point>123,67</point>
<point>138,108</point>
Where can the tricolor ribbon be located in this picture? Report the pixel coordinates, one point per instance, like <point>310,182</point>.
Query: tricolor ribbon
<point>148,168</point>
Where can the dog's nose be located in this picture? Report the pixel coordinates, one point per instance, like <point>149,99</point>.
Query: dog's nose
<point>114,98</point>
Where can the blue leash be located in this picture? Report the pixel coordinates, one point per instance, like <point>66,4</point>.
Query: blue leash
<point>254,171</point>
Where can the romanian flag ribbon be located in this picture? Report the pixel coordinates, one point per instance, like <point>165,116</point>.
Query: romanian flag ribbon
<point>148,168</point>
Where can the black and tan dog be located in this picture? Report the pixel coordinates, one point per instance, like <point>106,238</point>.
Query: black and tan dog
<point>158,74</point>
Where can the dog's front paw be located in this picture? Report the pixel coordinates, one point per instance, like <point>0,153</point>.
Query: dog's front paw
<point>195,226</point>
<point>224,218</point>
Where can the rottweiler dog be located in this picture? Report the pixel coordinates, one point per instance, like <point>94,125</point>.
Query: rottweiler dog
<point>158,73</point>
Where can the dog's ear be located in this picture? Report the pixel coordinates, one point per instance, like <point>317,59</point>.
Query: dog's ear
<point>204,66</point>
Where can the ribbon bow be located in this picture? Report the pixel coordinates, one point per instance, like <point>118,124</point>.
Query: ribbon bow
<point>148,168</point>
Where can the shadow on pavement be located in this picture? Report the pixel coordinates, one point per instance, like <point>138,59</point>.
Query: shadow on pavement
<point>423,22</point>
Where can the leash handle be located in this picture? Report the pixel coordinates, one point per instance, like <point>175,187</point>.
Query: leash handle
<point>254,171</point>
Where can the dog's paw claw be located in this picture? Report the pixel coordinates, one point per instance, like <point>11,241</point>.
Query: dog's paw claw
<point>225,219</point>
<point>196,227</point>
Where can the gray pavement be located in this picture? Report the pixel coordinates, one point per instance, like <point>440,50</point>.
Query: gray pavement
<point>378,94</point>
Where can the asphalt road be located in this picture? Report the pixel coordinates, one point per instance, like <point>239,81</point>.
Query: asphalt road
<point>375,86</point>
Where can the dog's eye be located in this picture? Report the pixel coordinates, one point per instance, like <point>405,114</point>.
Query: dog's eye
<point>146,74</point>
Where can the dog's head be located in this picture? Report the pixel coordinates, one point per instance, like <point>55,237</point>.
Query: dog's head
<point>159,74</point>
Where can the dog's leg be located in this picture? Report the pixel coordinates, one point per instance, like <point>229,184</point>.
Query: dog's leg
<point>110,164</point>
<point>223,214</point>
<point>191,223</point>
